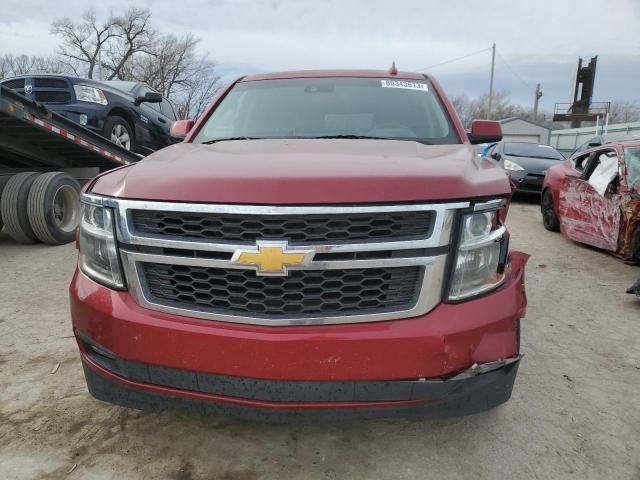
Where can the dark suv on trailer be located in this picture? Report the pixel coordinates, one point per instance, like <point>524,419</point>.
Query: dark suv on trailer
<point>130,114</point>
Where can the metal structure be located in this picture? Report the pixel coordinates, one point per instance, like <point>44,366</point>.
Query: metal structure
<point>582,109</point>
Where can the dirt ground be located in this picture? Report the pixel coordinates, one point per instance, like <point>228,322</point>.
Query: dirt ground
<point>574,413</point>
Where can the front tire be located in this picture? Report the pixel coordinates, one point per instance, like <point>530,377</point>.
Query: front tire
<point>549,218</point>
<point>118,130</point>
<point>54,208</point>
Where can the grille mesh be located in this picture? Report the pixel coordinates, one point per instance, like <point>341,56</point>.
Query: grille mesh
<point>50,96</point>
<point>351,227</point>
<point>302,293</point>
<point>15,83</point>
<point>50,82</point>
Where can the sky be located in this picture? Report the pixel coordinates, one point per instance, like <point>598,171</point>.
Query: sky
<point>536,42</point>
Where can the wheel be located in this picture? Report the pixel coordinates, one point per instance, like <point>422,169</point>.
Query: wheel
<point>3,181</point>
<point>13,207</point>
<point>54,208</point>
<point>117,130</point>
<point>549,217</point>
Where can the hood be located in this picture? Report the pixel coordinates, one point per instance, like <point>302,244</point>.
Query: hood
<point>307,172</point>
<point>534,164</point>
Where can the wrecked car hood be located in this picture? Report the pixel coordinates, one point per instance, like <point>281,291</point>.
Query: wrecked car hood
<point>307,171</point>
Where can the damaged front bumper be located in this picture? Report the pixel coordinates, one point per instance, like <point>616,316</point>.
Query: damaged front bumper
<point>457,359</point>
<point>146,387</point>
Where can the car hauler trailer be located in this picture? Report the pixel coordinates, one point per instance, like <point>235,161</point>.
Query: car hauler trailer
<point>44,158</point>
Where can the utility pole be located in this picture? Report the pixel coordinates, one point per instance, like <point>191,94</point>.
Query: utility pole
<point>536,98</point>
<point>493,65</point>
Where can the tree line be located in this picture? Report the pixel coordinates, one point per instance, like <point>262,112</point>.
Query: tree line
<point>621,111</point>
<point>127,47</point>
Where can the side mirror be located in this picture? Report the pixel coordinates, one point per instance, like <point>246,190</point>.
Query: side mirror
<point>495,156</point>
<point>149,97</point>
<point>180,129</point>
<point>485,131</point>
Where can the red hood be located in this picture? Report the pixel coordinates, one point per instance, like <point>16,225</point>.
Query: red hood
<point>307,172</point>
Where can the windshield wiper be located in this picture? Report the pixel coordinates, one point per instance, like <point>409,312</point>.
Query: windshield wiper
<point>369,137</point>
<point>350,136</point>
<point>229,139</point>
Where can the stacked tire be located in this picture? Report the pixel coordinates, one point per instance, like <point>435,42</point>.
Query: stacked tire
<point>40,207</point>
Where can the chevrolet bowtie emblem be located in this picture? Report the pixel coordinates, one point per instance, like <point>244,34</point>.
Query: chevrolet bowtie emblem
<point>272,258</point>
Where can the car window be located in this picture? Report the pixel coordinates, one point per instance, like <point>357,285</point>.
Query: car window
<point>493,150</point>
<point>167,109</point>
<point>603,169</point>
<point>331,107</point>
<point>143,90</point>
<point>632,162</point>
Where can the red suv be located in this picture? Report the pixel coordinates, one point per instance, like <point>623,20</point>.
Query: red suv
<point>321,243</point>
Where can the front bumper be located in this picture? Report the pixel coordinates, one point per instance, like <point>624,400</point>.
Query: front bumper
<point>398,367</point>
<point>464,394</point>
<point>527,182</point>
<point>95,113</point>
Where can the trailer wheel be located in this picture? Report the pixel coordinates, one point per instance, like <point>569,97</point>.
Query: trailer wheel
<point>13,207</point>
<point>117,130</point>
<point>54,207</point>
<point>3,181</point>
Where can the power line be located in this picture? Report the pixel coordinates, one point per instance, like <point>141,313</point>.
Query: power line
<point>526,84</point>
<point>456,59</point>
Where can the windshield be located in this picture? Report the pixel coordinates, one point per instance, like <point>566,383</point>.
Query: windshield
<point>121,85</point>
<point>532,150</point>
<point>632,162</point>
<point>330,108</point>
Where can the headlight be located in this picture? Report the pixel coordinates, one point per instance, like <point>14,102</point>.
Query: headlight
<point>481,256</point>
<point>509,165</point>
<point>98,252</point>
<point>86,93</point>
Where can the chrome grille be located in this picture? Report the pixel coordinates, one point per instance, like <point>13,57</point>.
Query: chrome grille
<point>355,227</point>
<point>304,293</point>
<point>348,278</point>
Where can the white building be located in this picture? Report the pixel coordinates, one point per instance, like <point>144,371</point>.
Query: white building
<point>568,139</point>
<point>516,129</point>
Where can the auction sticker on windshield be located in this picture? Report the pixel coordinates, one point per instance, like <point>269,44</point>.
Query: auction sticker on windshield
<point>405,84</point>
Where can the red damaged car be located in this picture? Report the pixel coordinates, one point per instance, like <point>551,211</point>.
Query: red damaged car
<point>594,198</point>
<point>321,243</point>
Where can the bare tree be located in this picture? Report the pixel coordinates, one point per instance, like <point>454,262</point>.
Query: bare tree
<point>11,65</point>
<point>133,35</point>
<point>462,105</point>
<point>179,73</point>
<point>478,108</point>
<point>623,111</point>
<point>126,47</point>
<point>84,41</point>
<point>199,90</point>
<point>109,44</point>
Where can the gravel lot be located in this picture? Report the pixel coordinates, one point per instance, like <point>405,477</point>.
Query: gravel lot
<point>574,413</point>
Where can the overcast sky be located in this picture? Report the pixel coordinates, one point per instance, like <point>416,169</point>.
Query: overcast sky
<point>536,41</point>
